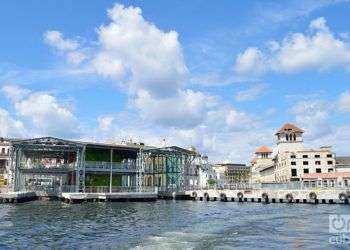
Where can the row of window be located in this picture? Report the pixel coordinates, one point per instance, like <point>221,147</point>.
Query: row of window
<point>306,171</point>
<point>306,163</point>
<point>307,156</point>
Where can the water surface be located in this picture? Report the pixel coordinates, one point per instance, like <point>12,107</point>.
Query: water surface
<point>165,225</point>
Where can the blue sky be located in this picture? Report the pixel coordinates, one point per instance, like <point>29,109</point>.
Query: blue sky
<point>222,76</point>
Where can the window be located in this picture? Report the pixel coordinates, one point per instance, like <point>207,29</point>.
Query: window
<point>330,170</point>
<point>317,156</point>
<point>317,162</point>
<point>305,156</point>
<point>293,163</point>
<point>306,170</point>
<point>318,170</point>
<point>329,156</point>
<point>346,183</point>
<point>305,163</point>
<point>3,151</point>
<point>324,183</point>
<point>294,172</point>
<point>330,162</point>
<point>293,156</point>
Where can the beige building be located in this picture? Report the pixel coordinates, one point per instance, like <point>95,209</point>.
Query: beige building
<point>263,166</point>
<point>5,146</point>
<point>292,160</point>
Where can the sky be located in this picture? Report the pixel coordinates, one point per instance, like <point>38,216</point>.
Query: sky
<point>222,76</point>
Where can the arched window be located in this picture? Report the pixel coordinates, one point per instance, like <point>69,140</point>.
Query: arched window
<point>287,137</point>
<point>295,137</point>
<point>291,137</point>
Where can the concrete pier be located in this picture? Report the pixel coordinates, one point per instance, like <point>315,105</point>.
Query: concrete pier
<point>104,197</point>
<point>313,196</point>
<point>17,197</point>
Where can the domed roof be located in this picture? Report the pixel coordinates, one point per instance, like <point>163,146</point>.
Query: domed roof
<point>289,128</point>
<point>263,150</point>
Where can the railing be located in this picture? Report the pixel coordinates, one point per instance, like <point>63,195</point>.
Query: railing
<point>237,186</point>
<point>106,166</point>
<point>257,186</point>
<point>88,189</point>
<point>69,166</point>
<point>106,189</point>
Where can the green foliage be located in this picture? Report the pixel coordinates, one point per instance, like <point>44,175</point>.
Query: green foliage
<point>96,154</point>
<point>211,182</point>
<point>103,180</point>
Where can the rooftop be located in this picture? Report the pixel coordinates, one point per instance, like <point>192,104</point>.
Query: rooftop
<point>289,128</point>
<point>263,150</point>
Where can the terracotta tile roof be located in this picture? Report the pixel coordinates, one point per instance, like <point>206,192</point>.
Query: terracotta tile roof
<point>289,128</point>
<point>263,149</point>
<point>332,175</point>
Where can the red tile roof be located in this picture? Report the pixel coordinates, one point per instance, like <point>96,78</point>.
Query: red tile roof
<point>263,149</point>
<point>332,175</point>
<point>289,128</point>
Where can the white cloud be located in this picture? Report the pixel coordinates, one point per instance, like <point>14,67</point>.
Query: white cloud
<point>46,114</point>
<point>10,127</point>
<point>15,92</point>
<point>319,49</point>
<point>251,93</point>
<point>69,48</point>
<point>250,62</point>
<point>105,122</point>
<point>135,51</point>
<point>343,103</point>
<point>313,116</point>
<point>55,39</point>
<point>187,109</point>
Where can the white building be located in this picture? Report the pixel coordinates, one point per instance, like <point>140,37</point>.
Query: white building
<point>292,160</point>
<point>5,146</point>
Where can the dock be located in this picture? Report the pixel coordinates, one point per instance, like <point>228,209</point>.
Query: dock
<point>312,196</point>
<point>17,197</point>
<point>104,197</point>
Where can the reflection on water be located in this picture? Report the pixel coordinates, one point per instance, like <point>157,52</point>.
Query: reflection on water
<point>165,225</point>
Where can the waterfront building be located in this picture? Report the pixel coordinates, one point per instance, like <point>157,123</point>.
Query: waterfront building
<point>53,164</point>
<point>231,173</point>
<point>340,177</point>
<point>342,164</point>
<point>207,175</point>
<point>263,166</point>
<point>49,163</point>
<point>169,168</point>
<point>5,146</point>
<point>292,160</point>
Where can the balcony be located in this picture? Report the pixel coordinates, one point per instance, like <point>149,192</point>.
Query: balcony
<point>102,166</point>
<point>40,168</point>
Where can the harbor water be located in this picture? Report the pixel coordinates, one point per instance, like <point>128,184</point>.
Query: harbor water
<point>166,225</point>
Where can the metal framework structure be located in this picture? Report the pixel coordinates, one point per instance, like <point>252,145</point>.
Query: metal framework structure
<point>36,162</point>
<point>28,156</point>
<point>164,167</point>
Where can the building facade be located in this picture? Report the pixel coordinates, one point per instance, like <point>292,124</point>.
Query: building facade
<point>5,147</point>
<point>232,173</point>
<point>292,160</point>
